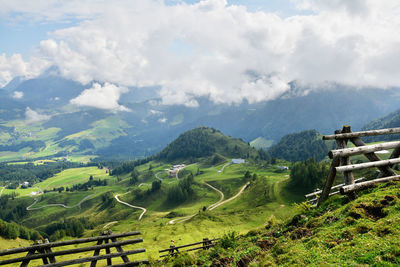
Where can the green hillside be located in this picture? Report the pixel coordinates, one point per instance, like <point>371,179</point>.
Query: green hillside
<point>204,142</point>
<point>300,146</point>
<point>391,120</point>
<point>265,195</point>
<point>339,233</point>
<point>260,142</point>
<point>254,218</point>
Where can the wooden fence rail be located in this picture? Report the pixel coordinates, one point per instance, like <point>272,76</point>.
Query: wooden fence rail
<point>314,196</point>
<point>360,166</point>
<point>42,250</point>
<point>361,134</point>
<point>341,161</point>
<point>347,152</point>
<point>173,250</point>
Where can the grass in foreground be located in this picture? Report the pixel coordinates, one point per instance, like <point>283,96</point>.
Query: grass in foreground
<point>361,232</point>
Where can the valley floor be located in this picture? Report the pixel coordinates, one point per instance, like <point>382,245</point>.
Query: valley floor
<point>225,202</point>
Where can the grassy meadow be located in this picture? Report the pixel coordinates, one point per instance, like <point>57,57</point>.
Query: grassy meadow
<point>265,197</point>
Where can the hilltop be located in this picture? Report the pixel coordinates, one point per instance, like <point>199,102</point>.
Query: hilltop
<point>361,232</point>
<point>205,142</point>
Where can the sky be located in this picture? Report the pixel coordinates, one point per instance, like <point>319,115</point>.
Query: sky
<point>226,50</point>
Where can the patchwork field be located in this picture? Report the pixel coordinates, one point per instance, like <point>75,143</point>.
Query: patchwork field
<point>264,197</point>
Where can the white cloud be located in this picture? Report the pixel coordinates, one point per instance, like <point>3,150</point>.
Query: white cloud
<point>103,97</point>
<point>13,66</point>
<point>18,95</point>
<point>216,50</point>
<point>154,112</point>
<point>34,116</point>
<point>162,120</point>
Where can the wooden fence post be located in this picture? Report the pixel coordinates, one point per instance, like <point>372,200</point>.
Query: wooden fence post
<point>206,243</point>
<point>331,177</point>
<point>342,143</point>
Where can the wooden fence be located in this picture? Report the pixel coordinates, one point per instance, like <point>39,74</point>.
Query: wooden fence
<point>43,250</point>
<point>341,161</point>
<point>173,250</point>
<point>314,196</point>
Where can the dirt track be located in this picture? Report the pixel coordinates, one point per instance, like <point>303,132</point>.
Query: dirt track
<point>132,206</point>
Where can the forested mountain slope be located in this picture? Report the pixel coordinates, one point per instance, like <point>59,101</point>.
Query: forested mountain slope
<point>391,120</point>
<point>204,142</point>
<point>300,146</point>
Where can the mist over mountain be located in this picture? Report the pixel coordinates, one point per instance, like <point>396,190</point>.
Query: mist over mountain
<point>141,125</point>
<point>50,91</point>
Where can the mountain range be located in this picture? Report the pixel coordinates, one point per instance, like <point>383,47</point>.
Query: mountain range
<point>40,109</point>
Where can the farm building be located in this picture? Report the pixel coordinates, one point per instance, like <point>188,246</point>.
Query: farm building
<point>283,167</point>
<point>237,161</point>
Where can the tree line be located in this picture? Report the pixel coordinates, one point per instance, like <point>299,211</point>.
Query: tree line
<point>308,175</point>
<point>128,166</point>
<point>13,231</point>
<point>182,191</point>
<point>300,146</point>
<point>12,210</point>
<point>74,227</point>
<point>32,173</point>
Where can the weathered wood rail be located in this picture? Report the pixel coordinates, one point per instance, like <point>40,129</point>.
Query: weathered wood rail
<point>314,196</point>
<point>341,161</point>
<point>173,250</point>
<point>43,250</point>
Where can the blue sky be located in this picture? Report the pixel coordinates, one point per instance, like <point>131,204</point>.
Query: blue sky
<point>283,7</point>
<point>203,50</point>
<point>23,36</point>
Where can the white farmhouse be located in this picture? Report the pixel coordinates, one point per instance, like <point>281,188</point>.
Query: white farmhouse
<point>238,161</point>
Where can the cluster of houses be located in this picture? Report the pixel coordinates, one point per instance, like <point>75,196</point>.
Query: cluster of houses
<point>175,169</point>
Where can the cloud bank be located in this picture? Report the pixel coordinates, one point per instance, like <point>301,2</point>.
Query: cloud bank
<point>13,66</point>
<point>103,97</point>
<point>212,49</point>
<point>33,116</point>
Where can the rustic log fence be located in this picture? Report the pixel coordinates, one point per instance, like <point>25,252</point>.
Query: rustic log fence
<point>341,162</point>
<point>314,196</point>
<point>173,250</point>
<point>42,249</point>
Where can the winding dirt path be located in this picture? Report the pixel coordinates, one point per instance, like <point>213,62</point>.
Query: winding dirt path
<point>1,192</point>
<point>158,174</point>
<point>110,223</point>
<point>220,200</point>
<point>181,220</point>
<point>212,206</point>
<point>132,206</point>
<point>232,198</point>
<point>223,167</point>
<point>57,205</point>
